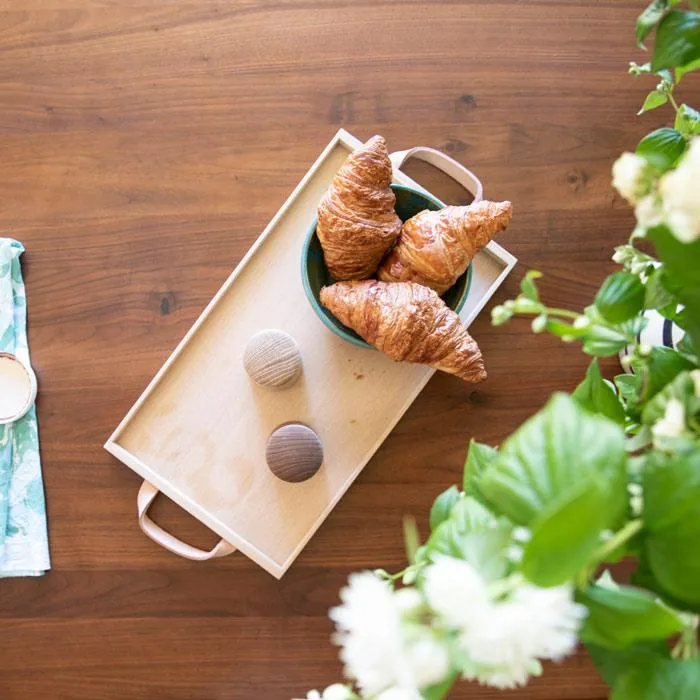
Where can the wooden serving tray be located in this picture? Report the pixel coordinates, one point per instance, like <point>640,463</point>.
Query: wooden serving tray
<point>198,432</point>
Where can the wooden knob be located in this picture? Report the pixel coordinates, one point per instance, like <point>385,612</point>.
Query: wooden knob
<point>272,359</point>
<point>294,452</point>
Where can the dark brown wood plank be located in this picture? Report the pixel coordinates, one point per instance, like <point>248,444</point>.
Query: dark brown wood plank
<point>144,147</point>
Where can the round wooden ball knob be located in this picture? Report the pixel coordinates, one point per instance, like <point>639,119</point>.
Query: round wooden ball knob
<point>294,452</point>
<point>272,359</point>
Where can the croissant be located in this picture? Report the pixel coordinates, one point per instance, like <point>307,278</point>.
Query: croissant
<point>436,247</point>
<point>408,322</point>
<point>357,223</point>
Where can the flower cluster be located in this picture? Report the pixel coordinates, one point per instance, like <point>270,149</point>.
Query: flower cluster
<point>395,644</point>
<point>384,644</point>
<point>671,199</point>
<point>502,635</point>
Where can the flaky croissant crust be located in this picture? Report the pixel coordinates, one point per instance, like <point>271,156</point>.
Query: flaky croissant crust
<point>436,247</point>
<point>357,223</point>
<point>408,322</point>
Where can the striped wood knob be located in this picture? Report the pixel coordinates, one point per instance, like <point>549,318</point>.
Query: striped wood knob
<point>294,452</point>
<point>272,359</point>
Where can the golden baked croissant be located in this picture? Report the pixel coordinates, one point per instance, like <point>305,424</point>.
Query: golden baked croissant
<point>408,322</point>
<point>436,247</point>
<point>357,223</point>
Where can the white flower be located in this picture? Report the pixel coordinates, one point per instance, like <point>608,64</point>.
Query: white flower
<point>429,659</point>
<point>380,649</point>
<point>673,422</point>
<point>408,601</point>
<point>648,211</point>
<point>630,176</point>
<point>456,592</point>
<point>534,623</point>
<point>505,679</point>
<point>502,638</point>
<point>554,619</point>
<point>337,691</point>
<point>695,376</point>
<point>680,189</point>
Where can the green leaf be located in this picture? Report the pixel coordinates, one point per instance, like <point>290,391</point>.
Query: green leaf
<point>604,342</point>
<point>677,40</point>
<point>486,551</point>
<point>649,19</point>
<point>688,68</point>
<point>474,534</point>
<point>662,148</point>
<point>442,506</point>
<point>612,664</point>
<point>559,447</point>
<point>687,121</point>
<point>660,680</point>
<point>674,312</point>
<point>656,295</point>
<point>471,516</point>
<point>478,458</point>
<point>653,100</point>
<point>660,368</point>
<point>528,286</point>
<point>628,385</point>
<point>682,263</point>
<point>642,577</point>
<point>672,519</point>
<point>627,615</point>
<point>682,388</point>
<point>564,330</point>
<point>597,396</point>
<point>620,297</point>
<point>565,535</point>
<point>685,346</point>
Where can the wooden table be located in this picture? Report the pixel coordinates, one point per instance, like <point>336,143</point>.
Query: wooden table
<point>144,148</point>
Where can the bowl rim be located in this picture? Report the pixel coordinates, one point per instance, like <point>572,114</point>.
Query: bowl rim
<point>316,305</point>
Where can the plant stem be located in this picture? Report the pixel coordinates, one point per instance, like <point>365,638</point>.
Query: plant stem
<point>618,539</point>
<point>687,645</point>
<point>673,102</point>
<point>563,312</point>
<point>607,548</point>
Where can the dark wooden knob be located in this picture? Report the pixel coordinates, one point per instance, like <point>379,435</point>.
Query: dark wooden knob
<point>294,452</point>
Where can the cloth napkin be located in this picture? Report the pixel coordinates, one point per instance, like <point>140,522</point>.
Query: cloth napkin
<point>24,547</point>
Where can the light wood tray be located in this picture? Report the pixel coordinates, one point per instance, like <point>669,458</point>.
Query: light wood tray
<point>198,432</point>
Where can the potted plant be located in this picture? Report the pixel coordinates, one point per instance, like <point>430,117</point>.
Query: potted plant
<point>515,568</point>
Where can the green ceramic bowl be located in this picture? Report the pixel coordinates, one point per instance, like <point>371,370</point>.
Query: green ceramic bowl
<point>314,273</point>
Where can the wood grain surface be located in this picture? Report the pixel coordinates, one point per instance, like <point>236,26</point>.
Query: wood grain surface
<point>144,147</point>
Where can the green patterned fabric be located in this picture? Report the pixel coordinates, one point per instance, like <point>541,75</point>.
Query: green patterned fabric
<point>24,549</point>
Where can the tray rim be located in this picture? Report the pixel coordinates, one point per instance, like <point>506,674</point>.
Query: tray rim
<point>347,140</point>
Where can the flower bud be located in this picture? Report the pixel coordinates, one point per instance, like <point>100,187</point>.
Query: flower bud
<point>631,176</point>
<point>539,323</point>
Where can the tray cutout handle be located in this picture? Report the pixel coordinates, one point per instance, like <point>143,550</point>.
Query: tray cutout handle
<point>147,494</point>
<point>443,162</point>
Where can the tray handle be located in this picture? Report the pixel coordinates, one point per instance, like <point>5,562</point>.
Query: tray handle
<point>442,162</point>
<point>147,494</point>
